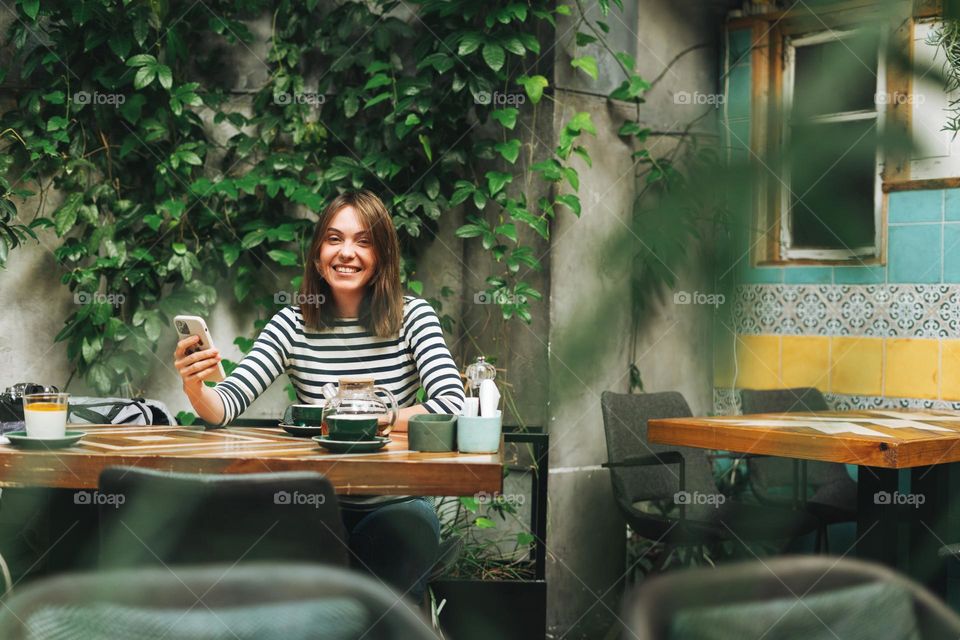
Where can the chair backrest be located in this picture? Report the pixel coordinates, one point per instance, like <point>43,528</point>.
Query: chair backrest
<point>787,597</point>
<point>782,400</point>
<point>769,472</point>
<point>625,419</point>
<point>149,517</point>
<point>256,601</point>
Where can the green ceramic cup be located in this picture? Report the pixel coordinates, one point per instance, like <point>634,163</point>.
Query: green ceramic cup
<point>304,415</point>
<point>351,427</point>
<point>432,432</point>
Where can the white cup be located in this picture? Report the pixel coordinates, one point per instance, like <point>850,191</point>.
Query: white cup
<point>45,415</point>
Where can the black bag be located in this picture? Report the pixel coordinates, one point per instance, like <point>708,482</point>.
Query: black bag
<point>89,410</point>
<point>11,401</point>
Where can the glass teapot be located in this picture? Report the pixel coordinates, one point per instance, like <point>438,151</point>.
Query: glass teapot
<point>358,397</point>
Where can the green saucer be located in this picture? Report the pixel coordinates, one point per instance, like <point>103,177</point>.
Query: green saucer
<point>352,446</point>
<point>301,431</point>
<point>21,439</point>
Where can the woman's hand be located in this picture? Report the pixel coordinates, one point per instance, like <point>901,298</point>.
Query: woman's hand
<point>194,367</point>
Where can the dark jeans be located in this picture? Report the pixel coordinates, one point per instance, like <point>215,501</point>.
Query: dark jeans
<point>397,543</point>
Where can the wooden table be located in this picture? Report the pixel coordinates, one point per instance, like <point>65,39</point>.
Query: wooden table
<point>900,520</point>
<point>392,470</point>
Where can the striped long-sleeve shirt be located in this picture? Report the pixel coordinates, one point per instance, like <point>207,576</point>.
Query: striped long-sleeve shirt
<point>417,357</point>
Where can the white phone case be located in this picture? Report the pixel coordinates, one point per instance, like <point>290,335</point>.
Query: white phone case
<point>196,326</point>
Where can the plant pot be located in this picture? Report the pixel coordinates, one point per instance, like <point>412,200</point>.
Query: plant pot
<point>502,609</point>
<point>435,432</point>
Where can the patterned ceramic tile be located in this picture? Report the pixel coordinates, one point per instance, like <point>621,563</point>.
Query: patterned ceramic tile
<point>727,402</point>
<point>878,310</point>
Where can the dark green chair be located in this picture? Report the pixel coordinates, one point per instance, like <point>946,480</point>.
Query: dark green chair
<point>808,597</point>
<point>834,493</point>
<point>293,601</point>
<point>183,518</point>
<point>641,472</point>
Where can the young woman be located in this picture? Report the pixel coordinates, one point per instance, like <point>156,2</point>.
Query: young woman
<point>352,320</point>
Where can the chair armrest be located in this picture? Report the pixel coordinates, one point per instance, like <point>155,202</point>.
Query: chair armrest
<point>665,458</point>
<point>668,457</point>
<point>737,456</point>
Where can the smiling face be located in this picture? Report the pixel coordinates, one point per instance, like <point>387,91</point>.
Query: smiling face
<point>347,260</point>
<point>355,267</point>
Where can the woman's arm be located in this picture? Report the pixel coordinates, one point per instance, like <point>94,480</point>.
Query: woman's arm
<point>263,364</point>
<point>438,373</point>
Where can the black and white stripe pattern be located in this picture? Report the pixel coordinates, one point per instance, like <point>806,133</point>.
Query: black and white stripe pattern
<point>417,357</point>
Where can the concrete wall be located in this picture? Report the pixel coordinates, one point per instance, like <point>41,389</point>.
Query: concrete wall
<point>590,302</point>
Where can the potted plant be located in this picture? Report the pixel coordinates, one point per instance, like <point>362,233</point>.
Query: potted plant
<point>500,568</point>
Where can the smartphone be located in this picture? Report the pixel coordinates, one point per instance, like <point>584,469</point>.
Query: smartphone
<point>187,326</point>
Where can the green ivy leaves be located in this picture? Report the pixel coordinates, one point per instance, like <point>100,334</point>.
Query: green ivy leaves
<point>149,69</point>
<point>534,86</point>
<point>157,208</point>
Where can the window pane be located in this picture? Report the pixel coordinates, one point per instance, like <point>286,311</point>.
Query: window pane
<point>835,76</point>
<point>833,169</point>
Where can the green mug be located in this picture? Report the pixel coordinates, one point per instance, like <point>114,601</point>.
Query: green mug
<point>353,427</point>
<point>304,415</point>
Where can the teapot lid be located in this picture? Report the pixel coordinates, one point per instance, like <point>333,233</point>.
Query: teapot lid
<point>347,384</point>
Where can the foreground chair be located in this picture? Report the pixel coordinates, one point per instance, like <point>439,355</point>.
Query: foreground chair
<point>255,601</point>
<point>643,472</point>
<point>809,597</point>
<point>154,517</point>
<point>835,494</point>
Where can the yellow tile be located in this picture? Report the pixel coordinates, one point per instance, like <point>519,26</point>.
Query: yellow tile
<point>911,369</point>
<point>856,366</point>
<point>950,370</point>
<point>805,361</point>
<point>758,362</point>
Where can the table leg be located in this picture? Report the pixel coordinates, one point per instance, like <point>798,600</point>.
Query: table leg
<point>928,511</point>
<point>905,529</point>
<point>877,530</point>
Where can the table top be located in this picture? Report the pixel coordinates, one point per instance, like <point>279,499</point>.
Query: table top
<point>393,470</point>
<point>895,439</point>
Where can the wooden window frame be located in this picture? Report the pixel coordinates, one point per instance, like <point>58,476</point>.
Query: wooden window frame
<point>769,32</point>
<point>787,251</point>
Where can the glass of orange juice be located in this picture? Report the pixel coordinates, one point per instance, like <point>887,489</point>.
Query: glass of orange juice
<point>45,414</point>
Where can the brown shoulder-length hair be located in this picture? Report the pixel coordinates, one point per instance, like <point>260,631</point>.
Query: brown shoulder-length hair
<point>381,311</point>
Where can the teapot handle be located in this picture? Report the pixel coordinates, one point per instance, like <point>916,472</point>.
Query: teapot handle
<point>394,411</point>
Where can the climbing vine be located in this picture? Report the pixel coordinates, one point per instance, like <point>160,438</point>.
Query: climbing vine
<point>162,180</point>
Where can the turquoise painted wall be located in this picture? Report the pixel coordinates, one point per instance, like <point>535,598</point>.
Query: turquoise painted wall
<point>923,228</point>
